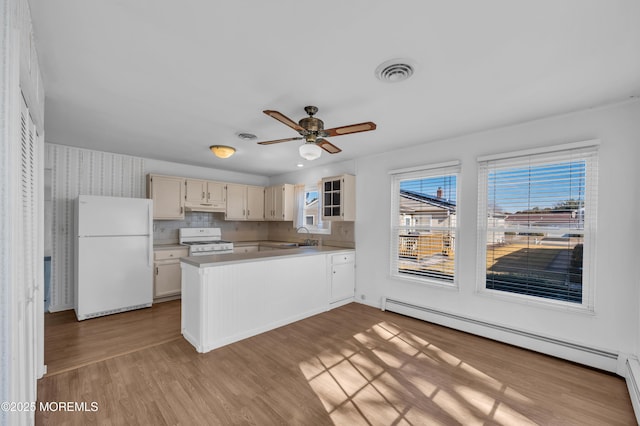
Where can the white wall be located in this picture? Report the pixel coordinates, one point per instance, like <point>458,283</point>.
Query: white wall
<point>615,324</point>
<point>309,175</point>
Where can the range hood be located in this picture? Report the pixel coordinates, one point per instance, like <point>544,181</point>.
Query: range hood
<point>213,208</point>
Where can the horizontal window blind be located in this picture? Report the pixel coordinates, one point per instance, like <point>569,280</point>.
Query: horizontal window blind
<point>424,223</point>
<point>536,220</point>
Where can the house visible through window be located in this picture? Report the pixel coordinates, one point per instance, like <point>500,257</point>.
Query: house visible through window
<point>312,212</point>
<point>424,224</point>
<point>537,218</point>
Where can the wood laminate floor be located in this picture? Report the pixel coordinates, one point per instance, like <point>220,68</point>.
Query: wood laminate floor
<point>352,365</point>
<point>69,344</point>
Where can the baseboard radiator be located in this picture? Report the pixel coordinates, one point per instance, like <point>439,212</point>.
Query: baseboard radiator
<point>633,384</point>
<point>594,357</point>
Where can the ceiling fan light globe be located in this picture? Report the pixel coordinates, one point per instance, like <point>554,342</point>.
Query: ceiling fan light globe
<point>310,151</point>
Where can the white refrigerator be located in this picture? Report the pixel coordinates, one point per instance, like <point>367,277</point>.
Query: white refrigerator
<point>113,255</point>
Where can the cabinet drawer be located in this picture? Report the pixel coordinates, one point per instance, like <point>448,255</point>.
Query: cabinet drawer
<point>170,254</point>
<point>245,249</point>
<point>338,259</point>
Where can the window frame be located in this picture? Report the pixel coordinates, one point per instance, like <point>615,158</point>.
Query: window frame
<point>587,151</point>
<point>415,173</point>
<point>314,229</point>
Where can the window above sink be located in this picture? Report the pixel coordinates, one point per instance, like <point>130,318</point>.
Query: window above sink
<point>310,204</point>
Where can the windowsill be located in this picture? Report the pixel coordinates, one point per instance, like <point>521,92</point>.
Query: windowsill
<point>316,231</point>
<point>448,285</point>
<point>556,305</point>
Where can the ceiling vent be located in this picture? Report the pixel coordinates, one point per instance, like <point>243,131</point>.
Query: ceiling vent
<point>247,136</point>
<point>394,70</point>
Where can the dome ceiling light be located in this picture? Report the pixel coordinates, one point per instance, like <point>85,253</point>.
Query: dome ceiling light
<point>222,151</point>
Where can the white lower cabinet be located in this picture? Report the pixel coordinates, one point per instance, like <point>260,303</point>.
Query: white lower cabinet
<point>342,277</point>
<point>167,278</point>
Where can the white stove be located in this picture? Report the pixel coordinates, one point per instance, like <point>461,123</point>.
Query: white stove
<point>204,241</point>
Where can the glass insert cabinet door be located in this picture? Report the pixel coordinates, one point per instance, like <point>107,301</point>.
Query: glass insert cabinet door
<point>338,198</point>
<point>332,204</point>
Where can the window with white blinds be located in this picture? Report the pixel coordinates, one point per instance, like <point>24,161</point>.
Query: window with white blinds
<point>537,217</point>
<point>424,223</point>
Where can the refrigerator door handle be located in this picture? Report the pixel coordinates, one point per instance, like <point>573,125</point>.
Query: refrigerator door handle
<point>150,239</point>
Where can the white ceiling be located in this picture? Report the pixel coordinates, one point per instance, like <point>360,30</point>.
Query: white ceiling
<point>164,79</point>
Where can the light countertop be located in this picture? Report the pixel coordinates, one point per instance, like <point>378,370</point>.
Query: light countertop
<point>267,243</point>
<point>169,247</point>
<point>234,258</point>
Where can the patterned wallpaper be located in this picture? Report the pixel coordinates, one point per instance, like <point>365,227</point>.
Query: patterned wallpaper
<point>76,172</point>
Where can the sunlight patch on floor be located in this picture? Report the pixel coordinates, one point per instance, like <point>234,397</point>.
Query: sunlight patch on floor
<point>379,378</point>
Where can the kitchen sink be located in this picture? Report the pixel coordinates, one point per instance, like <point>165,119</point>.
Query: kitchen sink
<point>295,245</point>
<point>309,243</point>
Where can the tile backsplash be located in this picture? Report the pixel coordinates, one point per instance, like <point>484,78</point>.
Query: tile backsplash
<point>166,231</point>
<point>342,234</point>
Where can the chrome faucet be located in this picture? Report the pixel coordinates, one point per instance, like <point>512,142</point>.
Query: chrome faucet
<point>307,242</point>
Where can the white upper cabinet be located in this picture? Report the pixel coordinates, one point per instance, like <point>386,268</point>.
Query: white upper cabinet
<point>195,191</point>
<point>167,193</point>
<point>204,195</point>
<point>339,198</point>
<point>255,202</point>
<point>278,203</point>
<point>244,202</point>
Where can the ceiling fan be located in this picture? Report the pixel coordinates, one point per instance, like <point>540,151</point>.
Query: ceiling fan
<point>312,130</point>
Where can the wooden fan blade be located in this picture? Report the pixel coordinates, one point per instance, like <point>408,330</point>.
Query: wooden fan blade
<point>353,128</point>
<point>279,140</point>
<point>284,119</point>
<point>328,146</point>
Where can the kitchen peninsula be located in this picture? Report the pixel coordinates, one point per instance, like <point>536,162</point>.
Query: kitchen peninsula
<point>229,297</point>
